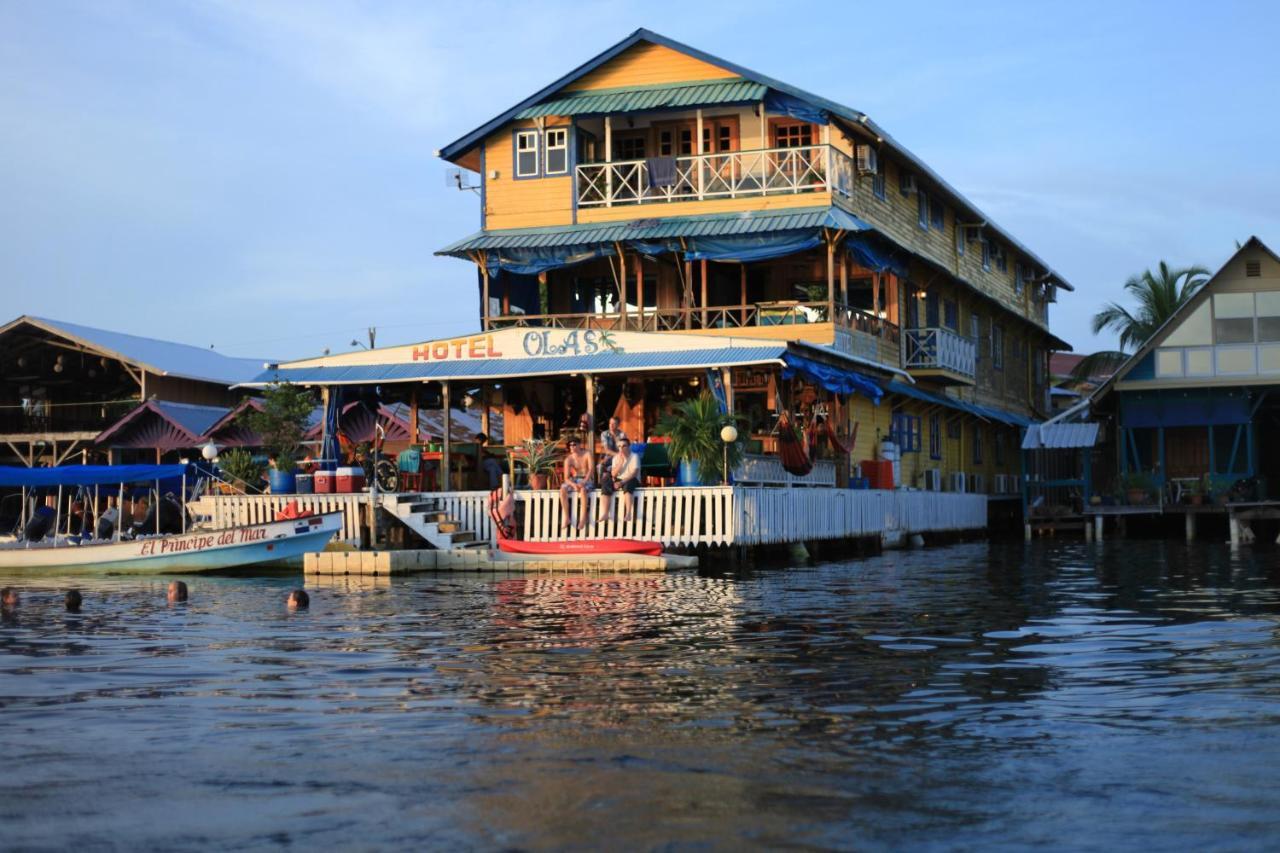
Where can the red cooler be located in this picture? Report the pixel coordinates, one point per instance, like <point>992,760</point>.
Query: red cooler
<point>350,480</point>
<point>878,473</point>
<point>323,483</point>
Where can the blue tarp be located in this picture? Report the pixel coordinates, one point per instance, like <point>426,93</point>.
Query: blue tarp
<point>537,259</point>
<point>776,102</point>
<point>88,475</point>
<point>330,449</point>
<point>835,379</point>
<point>753,247</point>
<point>867,253</point>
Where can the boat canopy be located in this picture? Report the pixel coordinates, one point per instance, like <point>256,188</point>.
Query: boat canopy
<point>88,475</point>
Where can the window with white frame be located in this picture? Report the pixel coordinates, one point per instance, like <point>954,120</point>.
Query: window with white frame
<point>960,229</point>
<point>922,209</point>
<point>557,139</point>
<point>527,154</point>
<point>986,255</point>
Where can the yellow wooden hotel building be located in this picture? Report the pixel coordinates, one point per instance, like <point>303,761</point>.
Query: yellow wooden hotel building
<point>659,189</point>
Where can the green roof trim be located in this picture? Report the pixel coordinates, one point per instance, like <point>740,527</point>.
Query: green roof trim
<point>721,225</point>
<point>671,96</point>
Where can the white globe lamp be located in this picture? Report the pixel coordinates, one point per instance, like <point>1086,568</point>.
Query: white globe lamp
<point>728,434</point>
<point>209,452</point>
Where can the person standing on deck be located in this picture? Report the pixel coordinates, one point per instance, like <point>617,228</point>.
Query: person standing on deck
<point>623,476</point>
<point>577,478</point>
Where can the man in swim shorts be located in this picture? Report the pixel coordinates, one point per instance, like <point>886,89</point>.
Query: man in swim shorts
<point>577,478</point>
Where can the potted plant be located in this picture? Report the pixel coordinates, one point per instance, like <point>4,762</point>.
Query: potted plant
<point>1194,491</point>
<point>540,456</point>
<point>282,424</point>
<point>1137,487</point>
<point>693,427</point>
<point>239,466</point>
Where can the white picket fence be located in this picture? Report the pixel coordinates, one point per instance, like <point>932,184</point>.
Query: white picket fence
<point>767,470</point>
<point>702,515</point>
<point>239,510</point>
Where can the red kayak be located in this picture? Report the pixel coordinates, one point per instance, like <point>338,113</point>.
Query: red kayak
<point>582,546</point>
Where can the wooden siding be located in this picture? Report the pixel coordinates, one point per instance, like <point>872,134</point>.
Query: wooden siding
<point>526,202</point>
<point>818,333</point>
<point>647,65</point>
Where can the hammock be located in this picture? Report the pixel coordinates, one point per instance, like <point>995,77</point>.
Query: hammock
<point>795,456</point>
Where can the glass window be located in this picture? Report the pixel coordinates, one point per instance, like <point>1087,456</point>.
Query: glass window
<point>1269,358</point>
<point>937,217</point>
<point>1195,330</point>
<point>1237,360</point>
<point>1268,307</point>
<point>877,186</point>
<point>959,238</point>
<point>997,346</point>
<point>922,210</point>
<point>935,436</point>
<point>986,255</point>
<point>527,154</point>
<point>1168,362</point>
<point>557,151</point>
<point>951,314</point>
<point>1200,362</point>
<point>977,445</point>
<point>1233,318</point>
<point>792,135</point>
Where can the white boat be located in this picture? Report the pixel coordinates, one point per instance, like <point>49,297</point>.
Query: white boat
<point>193,550</point>
<point>197,551</point>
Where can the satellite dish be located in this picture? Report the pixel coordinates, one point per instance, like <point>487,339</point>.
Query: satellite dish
<point>454,178</point>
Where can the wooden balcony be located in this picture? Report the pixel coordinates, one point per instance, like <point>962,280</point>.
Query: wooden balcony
<point>941,355</point>
<point>728,174</point>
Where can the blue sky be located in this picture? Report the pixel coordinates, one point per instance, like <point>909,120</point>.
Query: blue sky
<point>260,177</point>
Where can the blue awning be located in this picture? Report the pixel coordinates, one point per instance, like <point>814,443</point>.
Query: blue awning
<point>88,475</point>
<point>868,252</point>
<point>519,368</point>
<point>837,380</point>
<point>920,394</point>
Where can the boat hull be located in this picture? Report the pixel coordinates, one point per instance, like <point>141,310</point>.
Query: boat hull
<point>198,551</point>
<point>584,547</point>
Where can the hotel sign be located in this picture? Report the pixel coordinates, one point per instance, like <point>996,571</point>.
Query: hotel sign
<point>533,342</point>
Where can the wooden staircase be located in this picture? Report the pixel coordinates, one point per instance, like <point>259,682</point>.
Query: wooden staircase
<point>425,517</point>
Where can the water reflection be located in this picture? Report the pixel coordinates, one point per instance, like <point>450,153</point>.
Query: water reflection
<point>974,695</point>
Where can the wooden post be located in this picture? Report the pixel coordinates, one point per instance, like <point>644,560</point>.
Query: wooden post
<point>742,287</point>
<point>844,279</point>
<point>506,296</point>
<point>484,314</point>
<point>159,454</point>
<point>608,161</point>
<point>589,440</point>
<point>1191,525</point>
<point>702,272</point>
<point>484,410</point>
<point>413,414</point>
<point>447,420</point>
<point>831,278</point>
<point>687,296</point>
<point>726,376</point>
<point>697,147</point>
<point>622,284</point>
<point>640,290</point>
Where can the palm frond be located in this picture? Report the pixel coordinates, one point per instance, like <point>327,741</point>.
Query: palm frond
<point>1098,364</point>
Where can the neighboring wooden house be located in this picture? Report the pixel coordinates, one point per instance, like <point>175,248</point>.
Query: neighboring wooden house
<point>63,384</point>
<point>159,431</point>
<point>659,189</point>
<point>1200,397</point>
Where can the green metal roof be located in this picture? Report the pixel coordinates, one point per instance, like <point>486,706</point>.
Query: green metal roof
<point>747,222</point>
<point>633,99</point>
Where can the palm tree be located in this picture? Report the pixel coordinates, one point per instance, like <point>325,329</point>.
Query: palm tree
<point>1159,295</point>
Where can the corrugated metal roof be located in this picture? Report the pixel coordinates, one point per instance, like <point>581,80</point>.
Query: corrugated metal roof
<point>164,358</point>
<point>186,422</point>
<point>669,96</point>
<point>747,222</point>
<point>1060,436</point>
<point>194,419</point>
<point>607,362</point>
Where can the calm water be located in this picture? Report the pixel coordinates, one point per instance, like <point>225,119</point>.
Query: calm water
<point>972,697</point>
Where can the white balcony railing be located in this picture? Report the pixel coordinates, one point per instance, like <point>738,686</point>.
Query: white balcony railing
<point>728,174</point>
<point>940,349</point>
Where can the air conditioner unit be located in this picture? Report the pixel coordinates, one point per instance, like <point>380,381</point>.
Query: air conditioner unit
<point>868,160</point>
<point>933,480</point>
<point>957,482</point>
<point>977,484</point>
